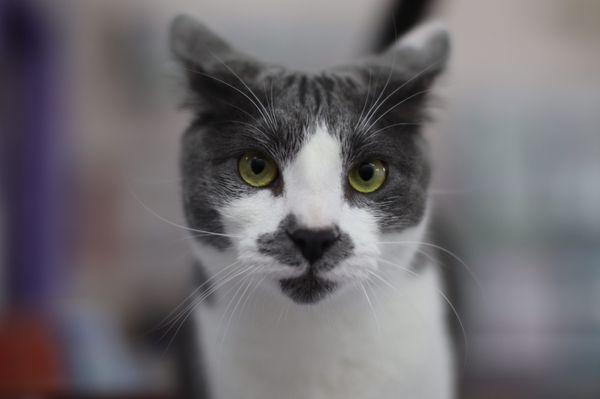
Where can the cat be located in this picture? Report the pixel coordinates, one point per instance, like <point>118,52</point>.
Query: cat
<point>307,196</point>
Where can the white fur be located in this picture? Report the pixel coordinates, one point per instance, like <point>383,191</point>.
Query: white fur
<point>313,185</point>
<point>387,343</point>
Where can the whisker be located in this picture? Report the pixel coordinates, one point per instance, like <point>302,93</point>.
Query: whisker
<point>266,113</point>
<point>189,313</point>
<point>447,251</point>
<point>248,114</point>
<point>399,88</point>
<point>394,106</point>
<point>409,302</point>
<point>246,282</point>
<point>370,113</point>
<point>364,290</point>
<point>188,310</point>
<point>232,87</point>
<point>185,237</point>
<point>375,104</point>
<point>248,125</point>
<point>366,98</point>
<point>409,271</point>
<point>270,102</point>
<point>395,125</point>
<point>452,307</point>
<point>251,292</point>
<point>193,293</point>
<point>167,221</point>
<point>232,274</point>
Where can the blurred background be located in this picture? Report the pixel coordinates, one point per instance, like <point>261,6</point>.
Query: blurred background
<point>89,131</point>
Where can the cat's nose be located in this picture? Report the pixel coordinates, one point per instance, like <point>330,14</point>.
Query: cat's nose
<point>314,243</point>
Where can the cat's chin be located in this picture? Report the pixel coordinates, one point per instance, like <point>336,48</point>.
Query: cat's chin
<point>307,289</point>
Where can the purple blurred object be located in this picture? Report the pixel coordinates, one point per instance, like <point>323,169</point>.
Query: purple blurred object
<point>32,155</point>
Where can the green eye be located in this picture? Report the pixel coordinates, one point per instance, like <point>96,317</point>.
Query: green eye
<point>367,176</point>
<point>256,169</point>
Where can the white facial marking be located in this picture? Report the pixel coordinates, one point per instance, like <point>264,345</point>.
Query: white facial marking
<point>313,181</point>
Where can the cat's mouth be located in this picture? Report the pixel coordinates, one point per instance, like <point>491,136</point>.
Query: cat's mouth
<point>307,288</point>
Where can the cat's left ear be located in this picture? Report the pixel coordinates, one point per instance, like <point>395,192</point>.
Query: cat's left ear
<point>404,73</point>
<point>422,51</point>
<point>421,54</point>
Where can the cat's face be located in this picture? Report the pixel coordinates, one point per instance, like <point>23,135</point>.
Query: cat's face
<point>302,176</point>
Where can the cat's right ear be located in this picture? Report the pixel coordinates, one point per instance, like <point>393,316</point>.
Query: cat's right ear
<point>194,44</point>
<point>213,69</point>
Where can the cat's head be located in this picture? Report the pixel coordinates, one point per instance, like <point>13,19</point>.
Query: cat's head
<point>303,176</point>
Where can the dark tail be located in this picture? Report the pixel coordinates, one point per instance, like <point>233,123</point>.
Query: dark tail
<point>405,14</point>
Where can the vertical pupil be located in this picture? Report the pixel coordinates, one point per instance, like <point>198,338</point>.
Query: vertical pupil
<point>257,165</point>
<point>366,171</point>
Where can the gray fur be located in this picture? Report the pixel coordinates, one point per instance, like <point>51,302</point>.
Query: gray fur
<point>307,288</point>
<point>279,246</point>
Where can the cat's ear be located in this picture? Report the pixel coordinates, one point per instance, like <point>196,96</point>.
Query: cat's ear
<point>214,70</point>
<point>193,43</point>
<point>405,72</point>
<point>422,52</point>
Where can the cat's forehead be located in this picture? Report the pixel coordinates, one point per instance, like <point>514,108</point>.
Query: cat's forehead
<point>316,94</point>
<point>298,106</point>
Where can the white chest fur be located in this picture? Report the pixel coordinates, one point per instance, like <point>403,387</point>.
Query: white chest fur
<point>396,346</point>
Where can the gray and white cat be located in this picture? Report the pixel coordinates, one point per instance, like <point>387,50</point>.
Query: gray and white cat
<point>308,197</point>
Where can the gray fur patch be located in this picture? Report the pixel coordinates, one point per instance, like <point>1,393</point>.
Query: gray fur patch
<point>307,288</point>
<point>279,246</point>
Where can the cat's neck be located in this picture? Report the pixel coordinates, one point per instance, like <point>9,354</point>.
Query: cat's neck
<point>400,322</point>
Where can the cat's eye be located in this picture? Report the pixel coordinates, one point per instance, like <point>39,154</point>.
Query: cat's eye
<point>368,176</point>
<point>257,169</point>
